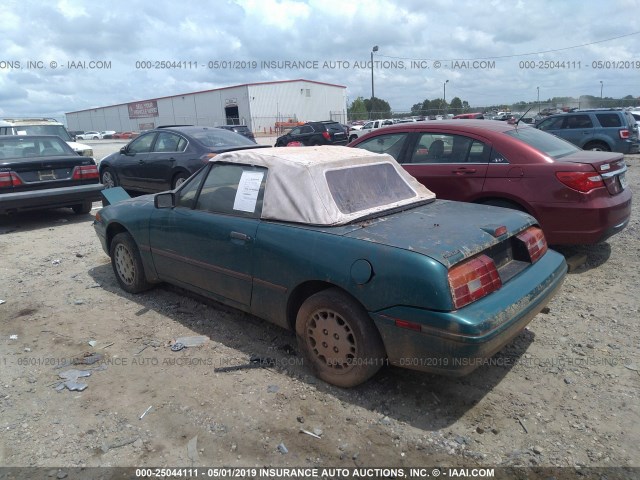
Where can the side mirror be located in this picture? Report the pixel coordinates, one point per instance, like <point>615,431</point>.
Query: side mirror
<point>164,200</point>
<point>125,151</point>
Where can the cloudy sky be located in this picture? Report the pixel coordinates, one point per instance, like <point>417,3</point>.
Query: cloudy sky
<point>66,55</point>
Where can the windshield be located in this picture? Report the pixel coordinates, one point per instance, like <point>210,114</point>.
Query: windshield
<point>549,144</point>
<point>22,147</point>
<point>367,186</point>
<point>58,130</point>
<point>216,138</point>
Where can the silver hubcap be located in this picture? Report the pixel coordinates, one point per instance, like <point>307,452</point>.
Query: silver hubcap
<point>180,181</point>
<point>107,180</point>
<point>124,264</point>
<point>332,339</point>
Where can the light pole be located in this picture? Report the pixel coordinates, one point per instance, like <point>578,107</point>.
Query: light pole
<point>444,97</point>
<point>375,49</point>
<point>538,99</point>
<point>601,85</point>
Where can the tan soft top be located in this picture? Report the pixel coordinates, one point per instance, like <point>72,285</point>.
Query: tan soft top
<point>297,189</point>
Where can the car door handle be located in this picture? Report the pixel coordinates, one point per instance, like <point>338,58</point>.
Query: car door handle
<point>240,236</point>
<point>140,161</point>
<point>464,171</point>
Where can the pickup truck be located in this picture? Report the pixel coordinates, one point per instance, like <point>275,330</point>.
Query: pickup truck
<point>368,127</point>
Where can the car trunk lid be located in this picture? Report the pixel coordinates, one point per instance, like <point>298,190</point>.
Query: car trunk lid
<point>448,232</point>
<point>610,166</point>
<point>51,172</point>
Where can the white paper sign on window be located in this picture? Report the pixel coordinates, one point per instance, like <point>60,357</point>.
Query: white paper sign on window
<point>248,189</point>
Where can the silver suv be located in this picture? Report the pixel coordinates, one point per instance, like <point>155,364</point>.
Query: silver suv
<point>42,126</point>
<point>605,129</point>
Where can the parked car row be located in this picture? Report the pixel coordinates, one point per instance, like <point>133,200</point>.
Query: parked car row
<point>250,226</point>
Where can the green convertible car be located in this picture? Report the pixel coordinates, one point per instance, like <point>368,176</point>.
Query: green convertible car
<point>347,249</point>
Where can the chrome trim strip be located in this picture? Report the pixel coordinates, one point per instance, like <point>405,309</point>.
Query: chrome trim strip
<point>614,173</point>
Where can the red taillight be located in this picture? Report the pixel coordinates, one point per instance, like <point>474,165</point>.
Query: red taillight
<point>624,133</point>
<point>473,279</point>
<point>85,172</point>
<point>581,181</point>
<point>534,240</point>
<point>326,135</point>
<point>9,179</point>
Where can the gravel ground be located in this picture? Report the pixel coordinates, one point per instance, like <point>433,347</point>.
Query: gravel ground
<point>564,393</point>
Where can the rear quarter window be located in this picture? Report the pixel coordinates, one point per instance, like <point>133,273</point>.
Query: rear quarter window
<point>609,119</point>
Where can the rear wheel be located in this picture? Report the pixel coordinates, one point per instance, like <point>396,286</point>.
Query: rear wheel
<point>597,146</point>
<point>108,178</point>
<point>127,263</point>
<point>339,339</point>
<point>178,180</point>
<point>83,208</point>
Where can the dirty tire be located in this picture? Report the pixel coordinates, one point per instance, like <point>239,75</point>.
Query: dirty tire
<point>127,264</point>
<point>108,178</point>
<point>338,339</point>
<point>178,180</point>
<point>597,147</point>
<point>83,208</point>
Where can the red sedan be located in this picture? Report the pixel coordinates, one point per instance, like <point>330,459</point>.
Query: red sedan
<point>577,196</point>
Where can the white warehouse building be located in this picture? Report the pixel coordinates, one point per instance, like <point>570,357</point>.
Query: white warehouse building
<point>265,107</point>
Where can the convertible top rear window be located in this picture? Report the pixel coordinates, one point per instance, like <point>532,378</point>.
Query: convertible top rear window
<point>545,142</point>
<point>367,186</point>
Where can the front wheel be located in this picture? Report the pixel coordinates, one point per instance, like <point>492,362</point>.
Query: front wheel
<point>339,339</point>
<point>127,263</point>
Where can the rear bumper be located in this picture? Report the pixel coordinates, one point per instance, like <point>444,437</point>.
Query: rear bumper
<point>456,343</point>
<point>584,223</point>
<point>49,198</point>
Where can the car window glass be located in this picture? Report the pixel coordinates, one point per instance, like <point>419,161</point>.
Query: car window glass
<point>306,129</point>
<point>548,144</point>
<point>368,125</point>
<point>578,121</point>
<point>552,124</point>
<point>167,142</point>
<point>295,131</point>
<point>609,119</point>
<point>141,144</point>
<point>391,144</point>
<point>185,197</point>
<point>446,148</point>
<point>233,189</point>
<point>497,157</point>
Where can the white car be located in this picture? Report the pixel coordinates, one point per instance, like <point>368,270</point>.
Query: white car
<point>89,136</point>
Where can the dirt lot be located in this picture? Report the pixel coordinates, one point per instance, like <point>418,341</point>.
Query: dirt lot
<point>564,393</point>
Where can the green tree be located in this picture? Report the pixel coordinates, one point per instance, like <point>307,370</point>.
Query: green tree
<point>417,109</point>
<point>378,108</point>
<point>357,110</point>
<point>455,106</point>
